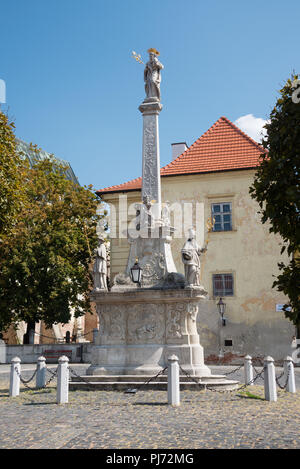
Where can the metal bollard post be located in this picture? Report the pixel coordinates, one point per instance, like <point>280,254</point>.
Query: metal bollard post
<point>40,379</point>
<point>290,373</point>
<point>248,369</point>
<point>15,371</point>
<point>173,381</point>
<point>269,380</point>
<point>62,393</point>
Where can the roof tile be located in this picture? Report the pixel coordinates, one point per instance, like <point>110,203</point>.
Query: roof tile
<point>222,147</point>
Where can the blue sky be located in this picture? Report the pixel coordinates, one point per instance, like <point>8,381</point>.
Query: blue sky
<point>73,88</point>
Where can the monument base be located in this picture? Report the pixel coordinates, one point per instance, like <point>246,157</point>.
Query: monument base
<point>140,329</point>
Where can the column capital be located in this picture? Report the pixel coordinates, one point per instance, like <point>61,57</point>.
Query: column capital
<point>152,107</point>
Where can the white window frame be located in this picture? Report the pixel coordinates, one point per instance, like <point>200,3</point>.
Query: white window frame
<point>221,214</point>
<point>223,293</point>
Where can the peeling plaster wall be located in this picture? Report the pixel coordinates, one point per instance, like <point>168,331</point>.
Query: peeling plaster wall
<point>249,252</point>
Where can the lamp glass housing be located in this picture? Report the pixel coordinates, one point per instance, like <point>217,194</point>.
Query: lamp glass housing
<point>221,307</point>
<point>136,273</point>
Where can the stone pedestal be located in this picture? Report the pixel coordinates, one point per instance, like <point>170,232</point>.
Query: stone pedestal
<point>155,257</point>
<point>140,329</point>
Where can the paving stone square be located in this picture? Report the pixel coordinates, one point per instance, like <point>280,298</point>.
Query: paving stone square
<point>110,420</point>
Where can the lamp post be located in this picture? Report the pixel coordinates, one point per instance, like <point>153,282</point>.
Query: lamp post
<point>136,273</point>
<point>222,308</point>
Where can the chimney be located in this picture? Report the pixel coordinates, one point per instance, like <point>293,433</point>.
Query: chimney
<point>178,149</point>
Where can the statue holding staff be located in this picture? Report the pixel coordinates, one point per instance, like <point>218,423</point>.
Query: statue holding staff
<point>152,76</point>
<point>190,255</point>
<point>100,267</point>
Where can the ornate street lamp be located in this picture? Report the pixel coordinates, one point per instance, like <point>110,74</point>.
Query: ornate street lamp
<point>222,308</point>
<point>136,273</point>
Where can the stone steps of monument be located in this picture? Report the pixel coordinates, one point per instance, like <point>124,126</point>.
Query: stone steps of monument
<point>142,378</point>
<point>112,385</point>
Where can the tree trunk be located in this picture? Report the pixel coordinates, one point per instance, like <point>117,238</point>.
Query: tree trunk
<point>30,331</point>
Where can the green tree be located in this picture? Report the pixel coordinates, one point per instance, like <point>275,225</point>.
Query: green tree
<point>44,266</point>
<point>11,166</point>
<point>277,190</point>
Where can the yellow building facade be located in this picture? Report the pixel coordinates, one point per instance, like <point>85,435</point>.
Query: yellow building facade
<point>244,254</point>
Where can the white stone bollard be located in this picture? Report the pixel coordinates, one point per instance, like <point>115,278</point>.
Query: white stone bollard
<point>40,379</point>
<point>248,369</point>
<point>289,371</point>
<point>269,380</point>
<point>173,381</point>
<point>62,394</point>
<point>15,371</point>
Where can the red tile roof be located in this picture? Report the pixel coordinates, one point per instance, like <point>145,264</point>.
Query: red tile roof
<point>224,147</point>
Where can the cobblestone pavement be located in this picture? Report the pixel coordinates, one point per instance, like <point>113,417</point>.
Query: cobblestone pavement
<point>107,419</point>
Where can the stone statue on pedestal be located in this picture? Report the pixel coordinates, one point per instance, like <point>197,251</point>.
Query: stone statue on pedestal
<point>165,213</point>
<point>152,75</point>
<point>100,267</point>
<point>146,213</point>
<point>190,255</point>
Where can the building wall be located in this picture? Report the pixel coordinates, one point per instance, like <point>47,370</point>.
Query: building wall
<point>77,353</point>
<point>249,252</point>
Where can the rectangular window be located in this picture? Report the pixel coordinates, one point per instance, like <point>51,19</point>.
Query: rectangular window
<point>223,284</point>
<point>222,214</point>
<point>228,342</point>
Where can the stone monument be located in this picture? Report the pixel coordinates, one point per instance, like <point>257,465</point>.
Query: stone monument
<point>100,266</point>
<point>191,259</point>
<point>141,325</point>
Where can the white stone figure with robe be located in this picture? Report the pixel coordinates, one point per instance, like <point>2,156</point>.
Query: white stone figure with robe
<point>190,255</point>
<point>152,76</point>
<point>146,213</point>
<point>165,213</point>
<point>100,267</point>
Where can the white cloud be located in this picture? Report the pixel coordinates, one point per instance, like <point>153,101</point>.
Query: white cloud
<point>252,126</point>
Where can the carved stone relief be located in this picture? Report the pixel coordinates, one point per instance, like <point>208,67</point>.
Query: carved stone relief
<point>111,321</point>
<point>145,323</point>
<point>173,320</point>
<point>153,269</point>
<point>150,184</point>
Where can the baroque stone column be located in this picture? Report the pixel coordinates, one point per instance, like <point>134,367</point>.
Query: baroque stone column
<point>150,109</point>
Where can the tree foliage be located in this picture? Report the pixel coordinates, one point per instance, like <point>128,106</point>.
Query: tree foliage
<point>44,263</point>
<point>11,167</point>
<point>276,188</point>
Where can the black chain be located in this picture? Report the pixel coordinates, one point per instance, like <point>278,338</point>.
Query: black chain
<point>189,376</point>
<point>128,391</point>
<point>56,339</point>
<point>258,373</point>
<point>223,390</point>
<point>252,381</point>
<point>51,372</point>
<point>233,371</point>
<point>53,375</point>
<point>25,381</point>
<point>287,378</point>
<point>76,375</point>
<point>134,391</point>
